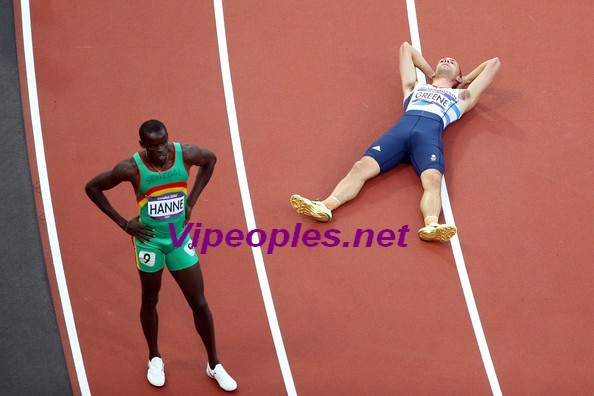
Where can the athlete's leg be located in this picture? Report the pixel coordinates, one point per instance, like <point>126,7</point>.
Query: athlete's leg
<point>431,199</point>
<point>427,159</point>
<point>192,286</point>
<point>345,190</point>
<point>431,207</point>
<point>383,154</point>
<point>149,319</point>
<point>348,188</point>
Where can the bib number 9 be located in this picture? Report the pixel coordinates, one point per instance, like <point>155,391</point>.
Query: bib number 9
<point>147,258</point>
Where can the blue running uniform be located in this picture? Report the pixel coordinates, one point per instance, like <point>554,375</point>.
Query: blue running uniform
<point>417,136</point>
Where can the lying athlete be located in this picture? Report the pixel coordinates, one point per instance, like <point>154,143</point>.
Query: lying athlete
<point>416,137</point>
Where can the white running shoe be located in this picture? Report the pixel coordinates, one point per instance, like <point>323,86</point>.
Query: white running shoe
<point>156,372</point>
<point>218,373</point>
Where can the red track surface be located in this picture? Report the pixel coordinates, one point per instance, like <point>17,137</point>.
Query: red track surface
<point>314,83</point>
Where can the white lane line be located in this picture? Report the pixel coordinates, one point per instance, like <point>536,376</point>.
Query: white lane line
<point>246,200</point>
<point>469,296</point>
<point>47,200</point>
<point>455,241</point>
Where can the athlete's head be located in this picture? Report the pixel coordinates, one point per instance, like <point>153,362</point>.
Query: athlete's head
<point>154,139</point>
<point>151,127</point>
<point>450,69</point>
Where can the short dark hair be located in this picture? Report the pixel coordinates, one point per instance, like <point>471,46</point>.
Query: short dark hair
<point>151,126</point>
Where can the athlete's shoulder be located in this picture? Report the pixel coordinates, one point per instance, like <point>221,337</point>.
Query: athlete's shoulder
<point>196,155</point>
<point>126,169</point>
<point>185,146</point>
<point>127,164</point>
<point>187,149</point>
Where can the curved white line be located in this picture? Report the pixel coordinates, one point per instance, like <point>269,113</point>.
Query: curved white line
<point>455,241</point>
<point>47,200</point>
<point>247,202</point>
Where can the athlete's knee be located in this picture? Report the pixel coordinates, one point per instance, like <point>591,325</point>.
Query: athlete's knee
<point>149,299</point>
<point>431,179</point>
<point>365,168</point>
<point>199,304</point>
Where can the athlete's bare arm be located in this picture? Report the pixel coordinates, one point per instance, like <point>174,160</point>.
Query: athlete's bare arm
<point>477,82</point>
<point>125,171</point>
<point>410,60</point>
<point>205,160</point>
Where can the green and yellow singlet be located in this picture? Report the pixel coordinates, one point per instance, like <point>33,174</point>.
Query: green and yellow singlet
<point>161,196</point>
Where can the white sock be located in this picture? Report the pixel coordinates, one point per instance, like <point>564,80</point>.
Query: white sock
<point>336,199</point>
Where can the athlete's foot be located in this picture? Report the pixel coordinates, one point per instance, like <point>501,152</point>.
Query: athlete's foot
<point>219,374</point>
<point>437,232</point>
<point>156,372</point>
<point>313,209</point>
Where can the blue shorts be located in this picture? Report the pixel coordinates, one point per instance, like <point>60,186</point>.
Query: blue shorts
<point>415,138</point>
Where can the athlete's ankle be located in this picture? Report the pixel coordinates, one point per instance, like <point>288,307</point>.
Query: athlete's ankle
<point>331,205</point>
<point>431,220</point>
<point>331,202</point>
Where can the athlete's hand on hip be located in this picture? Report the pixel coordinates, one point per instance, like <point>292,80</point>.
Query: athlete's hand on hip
<point>139,231</point>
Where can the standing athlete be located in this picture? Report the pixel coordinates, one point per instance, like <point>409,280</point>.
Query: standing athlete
<point>416,137</point>
<point>159,175</point>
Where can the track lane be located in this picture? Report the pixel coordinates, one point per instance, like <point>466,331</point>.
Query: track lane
<point>103,69</point>
<point>518,166</point>
<point>325,83</point>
